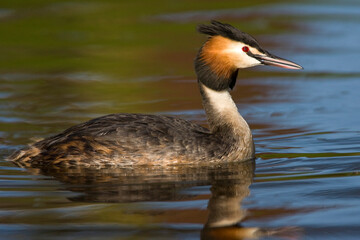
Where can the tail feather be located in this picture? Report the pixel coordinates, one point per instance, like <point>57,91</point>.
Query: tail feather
<point>23,157</point>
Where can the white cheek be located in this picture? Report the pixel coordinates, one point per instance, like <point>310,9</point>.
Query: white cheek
<point>241,59</point>
<point>245,61</point>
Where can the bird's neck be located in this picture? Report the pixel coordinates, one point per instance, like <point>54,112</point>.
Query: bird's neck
<point>224,119</point>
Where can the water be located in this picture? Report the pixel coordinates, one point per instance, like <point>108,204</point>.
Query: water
<point>65,62</point>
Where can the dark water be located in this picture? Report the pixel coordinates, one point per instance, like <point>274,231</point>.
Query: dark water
<point>62,63</point>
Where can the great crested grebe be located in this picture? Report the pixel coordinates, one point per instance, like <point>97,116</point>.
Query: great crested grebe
<point>142,139</point>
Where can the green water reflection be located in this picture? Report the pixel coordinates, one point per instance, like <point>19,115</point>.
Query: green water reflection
<point>120,39</point>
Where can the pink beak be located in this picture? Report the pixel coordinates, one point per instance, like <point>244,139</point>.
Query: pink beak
<point>277,62</point>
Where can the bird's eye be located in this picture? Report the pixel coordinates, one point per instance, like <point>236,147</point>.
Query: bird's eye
<point>245,49</point>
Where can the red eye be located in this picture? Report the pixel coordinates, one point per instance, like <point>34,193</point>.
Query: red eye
<point>245,49</point>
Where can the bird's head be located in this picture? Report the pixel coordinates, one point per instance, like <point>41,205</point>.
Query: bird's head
<point>226,51</point>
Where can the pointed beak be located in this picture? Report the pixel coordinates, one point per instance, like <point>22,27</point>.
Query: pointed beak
<point>272,60</point>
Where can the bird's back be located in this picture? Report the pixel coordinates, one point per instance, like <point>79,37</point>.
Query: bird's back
<point>124,139</point>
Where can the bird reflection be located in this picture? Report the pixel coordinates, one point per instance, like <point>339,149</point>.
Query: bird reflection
<point>150,183</point>
<point>226,213</point>
<point>229,186</point>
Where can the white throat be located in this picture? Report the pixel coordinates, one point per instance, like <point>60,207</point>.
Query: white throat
<point>222,111</point>
<point>221,101</point>
<point>223,105</point>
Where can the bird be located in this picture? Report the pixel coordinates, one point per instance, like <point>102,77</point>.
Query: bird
<point>125,140</point>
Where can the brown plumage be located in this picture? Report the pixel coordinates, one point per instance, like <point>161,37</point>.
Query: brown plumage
<point>213,54</point>
<point>139,139</point>
<point>124,139</point>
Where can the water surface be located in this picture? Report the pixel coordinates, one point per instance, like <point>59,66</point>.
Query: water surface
<point>66,62</point>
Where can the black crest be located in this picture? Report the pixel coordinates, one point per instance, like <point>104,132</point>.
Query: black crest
<point>226,30</point>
